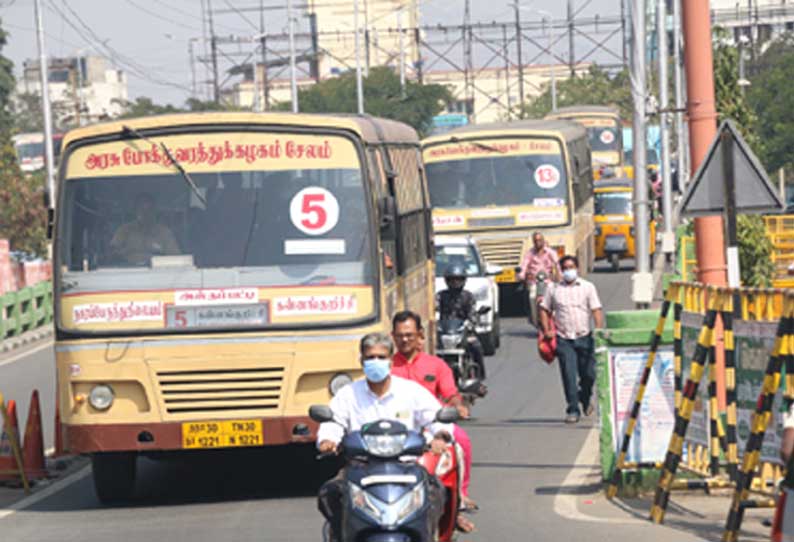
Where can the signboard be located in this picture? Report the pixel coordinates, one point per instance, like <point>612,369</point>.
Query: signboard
<point>754,342</point>
<point>657,415</point>
<point>706,193</point>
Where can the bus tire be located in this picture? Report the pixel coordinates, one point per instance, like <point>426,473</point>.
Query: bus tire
<point>114,476</point>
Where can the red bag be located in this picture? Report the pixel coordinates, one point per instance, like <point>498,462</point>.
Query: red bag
<point>547,348</point>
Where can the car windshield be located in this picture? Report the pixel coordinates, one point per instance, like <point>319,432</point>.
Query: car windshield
<point>242,226</point>
<point>30,150</point>
<point>613,203</point>
<point>499,178</point>
<point>463,255</point>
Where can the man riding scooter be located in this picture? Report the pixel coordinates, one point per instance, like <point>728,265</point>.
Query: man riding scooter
<point>456,303</point>
<point>539,263</point>
<point>380,396</point>
<point>435,376</point>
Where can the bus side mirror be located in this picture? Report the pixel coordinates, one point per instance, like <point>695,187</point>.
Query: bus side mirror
<point>387,211</point>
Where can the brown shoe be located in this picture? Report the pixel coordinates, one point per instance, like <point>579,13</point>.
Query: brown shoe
<point>589,409</point>
<point>572,418</point>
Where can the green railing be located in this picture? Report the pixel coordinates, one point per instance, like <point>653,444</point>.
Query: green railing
<point>25,309</point>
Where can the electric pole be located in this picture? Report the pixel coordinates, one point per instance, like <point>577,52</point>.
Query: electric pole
<point>668,235</point>
<point>45,105</point>
<point>293,77</point>
<point>519,39</point>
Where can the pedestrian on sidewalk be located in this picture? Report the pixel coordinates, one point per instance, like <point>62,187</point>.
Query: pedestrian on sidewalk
<point>571,302</point>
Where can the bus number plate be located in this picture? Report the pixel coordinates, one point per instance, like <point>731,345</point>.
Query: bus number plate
<point>507,275</point>
<point>222,434</point>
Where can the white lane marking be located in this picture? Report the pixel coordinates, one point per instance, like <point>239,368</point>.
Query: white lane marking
<point>26,353</point>
<point>48,491</point>
<point>565,505</point>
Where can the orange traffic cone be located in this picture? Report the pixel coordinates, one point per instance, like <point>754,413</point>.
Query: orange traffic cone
<point>9,438</point>
<point>33,445</point>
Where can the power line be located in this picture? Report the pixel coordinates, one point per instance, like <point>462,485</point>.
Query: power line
<point>240,13</point>
<point>162,17</point>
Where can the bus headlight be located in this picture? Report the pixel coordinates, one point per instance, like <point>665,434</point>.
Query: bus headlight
<point>338,382</point>
<point>101,397</point>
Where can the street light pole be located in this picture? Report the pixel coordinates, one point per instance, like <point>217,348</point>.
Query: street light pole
<point>680,133</point>
<point>642,280</point>
<point>668,236</point>
<point>402,51</point>
<point>552,75</point>
<point>293,75</point>
<point>357,44</point>
<point>45,105</point>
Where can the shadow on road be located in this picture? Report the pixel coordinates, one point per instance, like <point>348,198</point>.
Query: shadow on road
<point>203,478</point>
<point>585,489</point>
<point>606,268</point>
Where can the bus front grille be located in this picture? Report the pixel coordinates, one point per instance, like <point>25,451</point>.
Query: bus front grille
<point>217,390</point>
<point>503,252</point>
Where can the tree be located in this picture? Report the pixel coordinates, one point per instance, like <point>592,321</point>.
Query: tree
<point>596,87</point>
<point>730,99</point>
<point>773,102</point>
<point>27,113</point>
<point>145,107</point>
<point>382,98</point>
<point>22,215</point>
<point>755,252</point>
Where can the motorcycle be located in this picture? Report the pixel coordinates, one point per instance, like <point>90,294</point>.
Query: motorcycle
<point>453,346</point>
<point>388,476</point>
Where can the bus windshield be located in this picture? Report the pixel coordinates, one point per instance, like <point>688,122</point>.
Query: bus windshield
<point>603,133</point>
<point>613,203</point>
<point>254,217</point>
<point>506,177</point>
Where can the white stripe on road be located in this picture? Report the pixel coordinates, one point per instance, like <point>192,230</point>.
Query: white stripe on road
<point>565,504</point>
<point>46,492</point>
<point>26,353</point>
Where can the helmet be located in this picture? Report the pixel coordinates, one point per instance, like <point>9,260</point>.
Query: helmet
<point>455,272</point>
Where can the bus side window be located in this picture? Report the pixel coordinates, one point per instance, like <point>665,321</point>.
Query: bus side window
<point>411,206</point>
<point>380,189</point>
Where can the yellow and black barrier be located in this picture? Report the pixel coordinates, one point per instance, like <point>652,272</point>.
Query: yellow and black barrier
<point>678,350</point>
<point>670,296</point>
<point>729,344</point>
<point>15,462</point>
<point>715,303</point>
<point>782,353</point>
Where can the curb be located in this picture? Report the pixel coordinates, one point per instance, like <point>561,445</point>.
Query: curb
<point>25,339</point>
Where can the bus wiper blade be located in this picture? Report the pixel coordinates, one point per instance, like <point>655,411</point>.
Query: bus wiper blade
<point>174,161</point>
<point>479,145</point>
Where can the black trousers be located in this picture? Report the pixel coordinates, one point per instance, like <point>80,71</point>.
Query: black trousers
<point>577,363</point>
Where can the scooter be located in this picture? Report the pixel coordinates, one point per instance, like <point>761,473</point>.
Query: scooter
<point>535,293</point>
<point>388,486</point>
<point>454,338</point>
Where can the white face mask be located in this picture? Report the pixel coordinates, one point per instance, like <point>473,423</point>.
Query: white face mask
<point>570,275</point>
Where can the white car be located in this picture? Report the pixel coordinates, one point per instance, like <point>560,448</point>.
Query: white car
<point>479,281</point>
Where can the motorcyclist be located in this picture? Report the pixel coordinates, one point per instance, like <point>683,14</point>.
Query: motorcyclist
<point>379,396</point>
<point>456,303</point>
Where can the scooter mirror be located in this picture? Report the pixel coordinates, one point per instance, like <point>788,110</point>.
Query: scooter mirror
<point>471,386</point>
<point>321,413</point>
<point>483,310</point>
<point>447,415</point>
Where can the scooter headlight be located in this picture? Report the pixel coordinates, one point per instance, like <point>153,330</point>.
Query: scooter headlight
<point>386,514</point>
<point>385,445</point>
<point>450,342</point>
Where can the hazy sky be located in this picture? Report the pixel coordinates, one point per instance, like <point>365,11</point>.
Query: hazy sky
<point>149,38</point>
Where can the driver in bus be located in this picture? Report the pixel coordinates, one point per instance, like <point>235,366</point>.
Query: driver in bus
<point>137,241</point>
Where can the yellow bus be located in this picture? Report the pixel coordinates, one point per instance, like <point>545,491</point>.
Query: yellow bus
<point>500,182</point>
<point>606,135</point>
<point>214,273</point>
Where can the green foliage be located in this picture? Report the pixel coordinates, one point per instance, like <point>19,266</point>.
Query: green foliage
<point>382,98</point>
<point>772,100</point>
<point>596,87</point>
<point>731,101</point>
<point>145,107</point>
<point>27,113</point>
<point>755,252</point>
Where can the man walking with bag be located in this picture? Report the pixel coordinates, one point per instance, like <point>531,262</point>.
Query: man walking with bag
<point>571,302</point>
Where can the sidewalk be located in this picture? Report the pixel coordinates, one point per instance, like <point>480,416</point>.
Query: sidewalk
<point>690,515</point>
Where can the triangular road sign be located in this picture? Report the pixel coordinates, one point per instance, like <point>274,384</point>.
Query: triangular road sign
<point>705,194</point>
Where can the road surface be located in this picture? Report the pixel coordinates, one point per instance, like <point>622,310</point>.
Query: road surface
<point>527,463</point>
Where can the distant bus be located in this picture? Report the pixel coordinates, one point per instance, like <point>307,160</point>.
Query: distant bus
<point>500,182</point>
<point>604,129</point>
<point>30,150</point>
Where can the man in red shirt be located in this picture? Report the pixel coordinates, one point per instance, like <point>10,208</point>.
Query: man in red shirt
<point>434,374</point>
